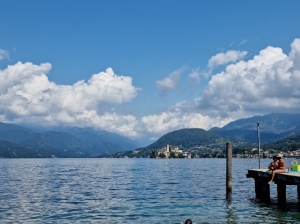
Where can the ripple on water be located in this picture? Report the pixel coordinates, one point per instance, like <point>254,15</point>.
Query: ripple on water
<point>134,191</point>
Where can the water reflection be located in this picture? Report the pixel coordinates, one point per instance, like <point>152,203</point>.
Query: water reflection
<point>230,209</point>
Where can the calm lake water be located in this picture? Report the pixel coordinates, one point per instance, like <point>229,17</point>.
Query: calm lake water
<point>135,191</point>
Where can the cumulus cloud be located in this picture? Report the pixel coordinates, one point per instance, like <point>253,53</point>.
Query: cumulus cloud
<point>267,83</point>
<point>185,114</point>
<point>175,118</point>
<point>4,54</point>
<point>230,56</point>
<point>27,96</point>
<point>224,58</point>
<point>170,82</point>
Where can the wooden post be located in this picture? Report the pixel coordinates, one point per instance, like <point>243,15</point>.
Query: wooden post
<point>281,194</point>
<point>258,188</point>
<point>265,191</point>
<point>228,167</point>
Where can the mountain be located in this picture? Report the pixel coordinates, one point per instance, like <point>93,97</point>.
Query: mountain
<point>17,141</point>
<point>242,133</point>
<point>247,135</point>
<point>14,133</point>
<point>272,127</point>
<point>14,150</point>
<point>292,132</point>
<point>290,143</point>
<point>71,142</point>
<point>102,141</point>
<point>272,123</point>
<point>58,141</point>
<point>190,139</point>
<point>186,138</point>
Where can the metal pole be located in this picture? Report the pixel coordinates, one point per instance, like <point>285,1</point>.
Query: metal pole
<point>258,136</point>
<point>228,168</point>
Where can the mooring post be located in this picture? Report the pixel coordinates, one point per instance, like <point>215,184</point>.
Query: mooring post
<point>228,168</point>
<point>265,191</point>
<point>258,187</point>
<point>281,194</point>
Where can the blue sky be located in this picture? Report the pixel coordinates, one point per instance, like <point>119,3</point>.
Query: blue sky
<point>144,68</point>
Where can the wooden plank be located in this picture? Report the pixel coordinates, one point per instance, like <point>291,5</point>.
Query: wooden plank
<point>291,178</point>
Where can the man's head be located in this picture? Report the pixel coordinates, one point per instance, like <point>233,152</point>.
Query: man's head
<point>278,156</point>
<point>188,221</point>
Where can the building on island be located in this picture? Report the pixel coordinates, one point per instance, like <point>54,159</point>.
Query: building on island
<point>168,149</point>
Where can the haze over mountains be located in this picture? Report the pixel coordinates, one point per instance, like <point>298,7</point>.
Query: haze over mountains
<point>20,142</point>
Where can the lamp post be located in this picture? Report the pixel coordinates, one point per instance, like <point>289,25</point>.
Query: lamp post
<point>258,136</point>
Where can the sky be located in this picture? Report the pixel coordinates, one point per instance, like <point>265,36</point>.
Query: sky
<point>142,69</point>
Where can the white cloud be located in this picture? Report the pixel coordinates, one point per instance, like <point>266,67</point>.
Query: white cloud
<point>4,54</point>
<point>27,96</point>
<point>175,119</point>
<point>267,83</point>
<point>224,58</point>
<point>170,82</point>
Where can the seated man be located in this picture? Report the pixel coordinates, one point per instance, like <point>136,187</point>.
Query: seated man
<point>281,167</point>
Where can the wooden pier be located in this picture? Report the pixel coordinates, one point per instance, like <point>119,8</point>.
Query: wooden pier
<point>262,188</point>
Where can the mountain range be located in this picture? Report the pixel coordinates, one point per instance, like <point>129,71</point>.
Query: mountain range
<point>272,127</point>
<point>21,142</point>
<point>17,141</point>
<point>243,133</point>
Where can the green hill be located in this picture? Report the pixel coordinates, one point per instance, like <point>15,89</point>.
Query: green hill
<point>186,138</point>
<point>290,143</point>
<point>194,140</point>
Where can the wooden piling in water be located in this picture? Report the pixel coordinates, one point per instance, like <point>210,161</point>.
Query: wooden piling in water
<point>281,194</point>
<point>228,168</point>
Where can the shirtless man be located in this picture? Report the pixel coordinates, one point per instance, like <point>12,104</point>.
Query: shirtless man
<point>280,168</point>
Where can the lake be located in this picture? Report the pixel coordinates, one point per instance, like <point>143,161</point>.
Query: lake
<point>135,191</point>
